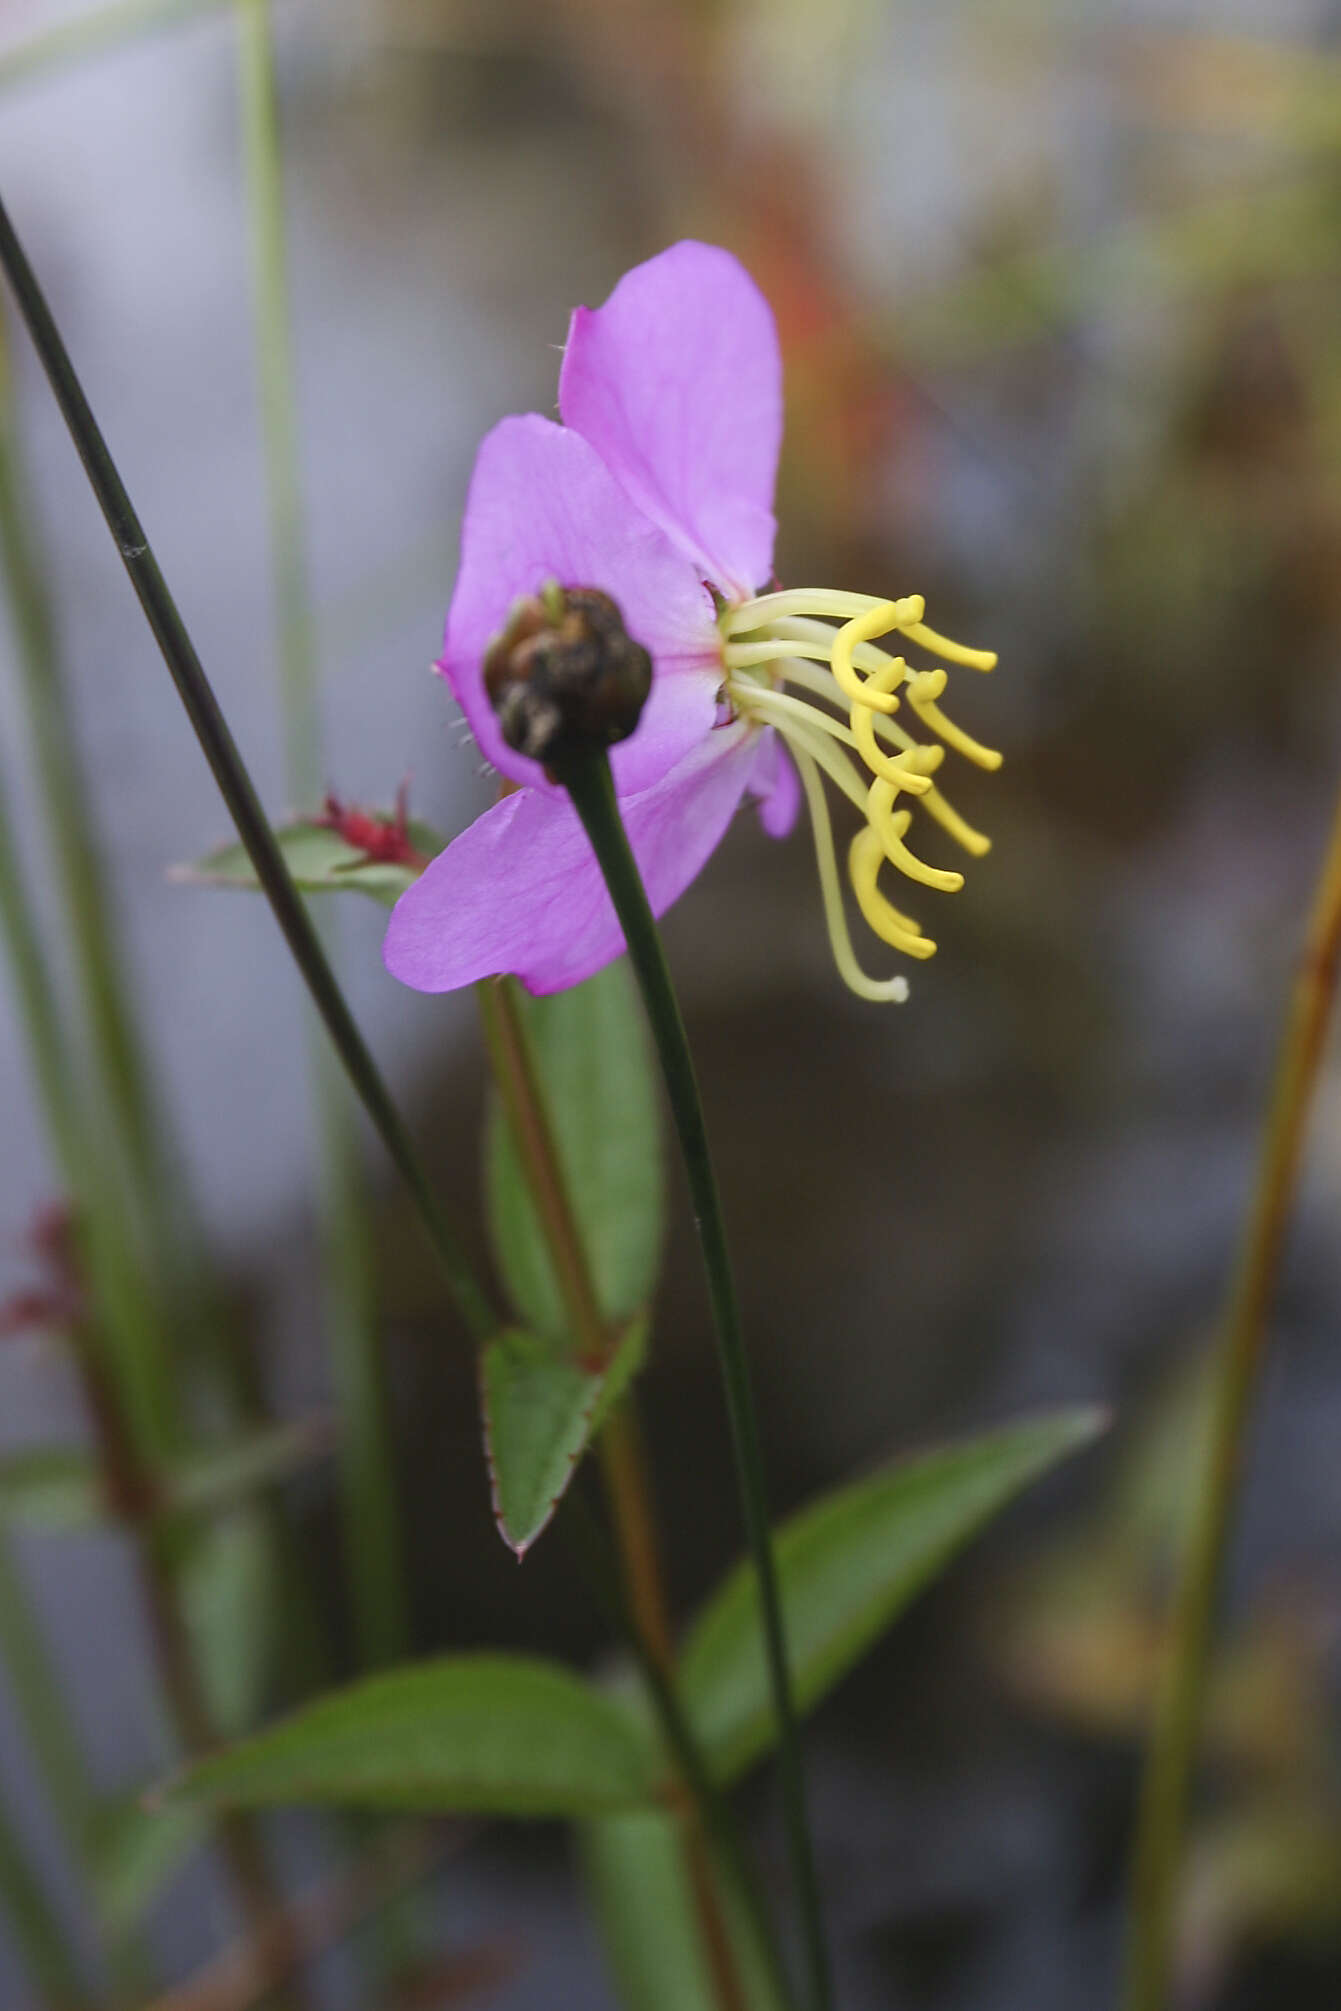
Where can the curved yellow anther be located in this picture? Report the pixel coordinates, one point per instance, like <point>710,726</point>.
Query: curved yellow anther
<point>889,826</point>
<point>907,770</point>
<point>864,860</point>
<point>923,691</point>
<point>863,628</point>
<point>959,829</point>
<point>953,652</point>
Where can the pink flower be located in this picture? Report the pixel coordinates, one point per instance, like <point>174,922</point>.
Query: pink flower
<point>658,489</point>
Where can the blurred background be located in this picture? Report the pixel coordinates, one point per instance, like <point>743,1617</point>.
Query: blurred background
<point>1058,288</point>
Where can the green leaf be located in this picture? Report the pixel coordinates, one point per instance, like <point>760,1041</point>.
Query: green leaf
<point>635,1865</point>
<point>136,1855</point>
<point>848,1565</point>
<point>540,1414</point>
<point>592,1060</point>
<point>321,862</point>
<point>59,1488</point>
<point>497,1734</point>
<point>221,1476</point>
<point>56,1490</point>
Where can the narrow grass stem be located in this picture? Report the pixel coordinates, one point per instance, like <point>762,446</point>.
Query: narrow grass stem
<point>1179,1709</point>
<point>641,1612</point>
<point>148,1189</point>
<point>46,1718</point>
<point>108,1009</point>
<point>591,787</point>
<point>235,784</point>
<point>373,1537</point>
<point>132,1495</point>
<point>38,1936</point>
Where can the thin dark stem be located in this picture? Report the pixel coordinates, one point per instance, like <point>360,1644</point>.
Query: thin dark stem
<point>591,1554</point>
<point>1164,1797</point>
<point>591,787</point>
<point>235,784</point>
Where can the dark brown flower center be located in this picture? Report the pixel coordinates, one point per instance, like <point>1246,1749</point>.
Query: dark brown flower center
<point>565,677</point>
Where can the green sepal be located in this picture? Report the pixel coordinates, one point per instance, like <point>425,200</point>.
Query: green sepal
<point>321,862</point>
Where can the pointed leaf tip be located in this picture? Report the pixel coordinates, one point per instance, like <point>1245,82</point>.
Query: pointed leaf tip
<point>848,1565</point>
<point>541,1411</point>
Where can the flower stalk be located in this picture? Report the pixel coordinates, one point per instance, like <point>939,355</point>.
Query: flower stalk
<point>640,1611</point>
<point>591,787</point>
<point>1179,1709</point>
<point>235,783</point>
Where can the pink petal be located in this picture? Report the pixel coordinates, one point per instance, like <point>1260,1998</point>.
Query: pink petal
<point>677,383</point>
<point>776,785</point>
<point>542,506</point>
<point>520,891</point>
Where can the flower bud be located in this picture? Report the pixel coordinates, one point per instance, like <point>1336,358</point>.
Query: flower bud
<point>565,677</point>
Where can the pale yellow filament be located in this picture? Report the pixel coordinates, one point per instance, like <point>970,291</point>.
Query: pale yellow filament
<point>840,942</point>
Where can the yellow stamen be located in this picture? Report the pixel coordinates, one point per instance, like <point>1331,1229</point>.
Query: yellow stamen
<point>840,942</point>
<point>863,628</point>
<point>864,859</point>
<point>959,829</point>
<point>822,601</point>
<point>889,826</point>
<point>923,691</point>
<point>953,652</point>
<point>823,644</point>
<point>908,770</point>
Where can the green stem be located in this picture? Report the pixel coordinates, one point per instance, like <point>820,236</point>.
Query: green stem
<point>373,1537</point>
<point>88,1181</point>
<point>591,787</point>
<point>518,1083</point>
<point>640,1612</point>
<point>46,1718</point>
<point>148,1200</point>
<point>1179,1711</point>
<point>273,341</point>
<point>235,784</point>
<point>591,1554</point>
<point>66,803</point>
<point>39,1699</point>
<point>131,1493</point>
<point>39,1936</point>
